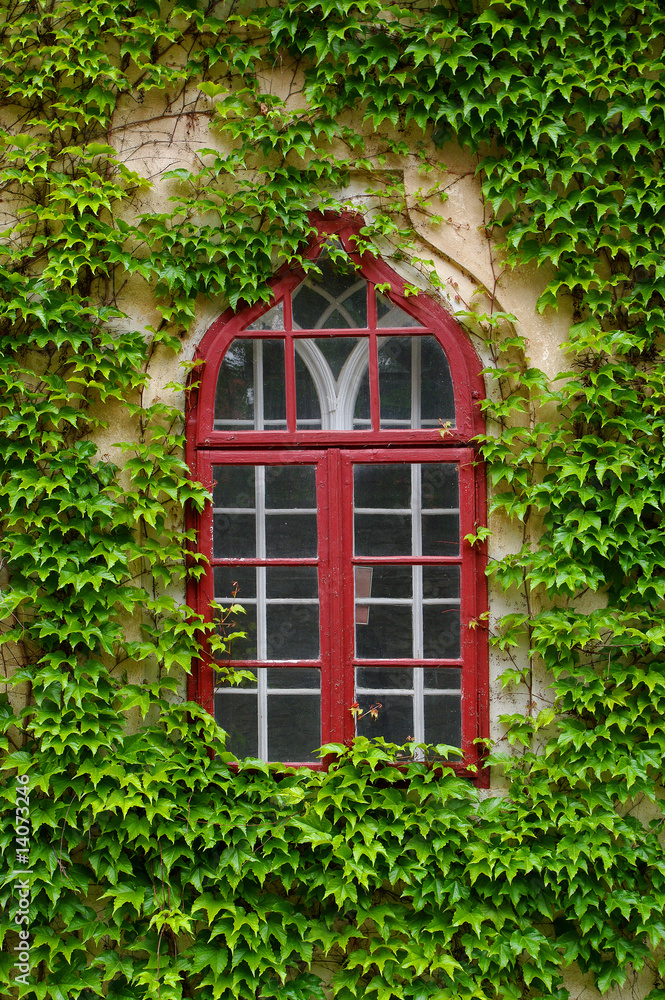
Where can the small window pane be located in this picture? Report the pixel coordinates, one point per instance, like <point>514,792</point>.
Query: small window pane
<point>290,486</point>
<point>292,581</point>
<point>291,536</point>
<point>383,534</point>
<point>335,299</point>
<point>271,320</point>
<point>294,727</point>
<point>361,413</point>
<point>441,581</point>
<point>237,713</point>
<point>384,678</point>
<point>394,721</point>
<point>441,628</point>
<point>234,536</point>
<point>395,381</point>
<point>440,534</point>
<point>388,314</point>
<point>442,679</point>
<point>245,621</point>
<point>274,386</point>
<point>384,581</point>
<point>443,720</point>
<point>235,583</point>
<point>308,405</point>
<point>234,486</point>
<point>382,486</point>
<point>292,631</point>
<point>387,634</point>
<point>292,677</point>
<point>440,485</point>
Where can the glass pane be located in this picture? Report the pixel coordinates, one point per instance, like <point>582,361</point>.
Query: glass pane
<point>271,320</point>
<point>233,486</point>
<point>388,314</point>
<point>335,299</point>
<point>308,406</point>
<point>440,534</point>
<point>394,721</point>
<point>440,485</point>
<point>294,727</point>
<point>292,581</point>
<point>290,487</point>
<point>274,386</point>
<point>291,536</point>
<point>394,357</point>
<point>251,390</point>
<point>292,631</point>
<point>384,678</point>
<point>293,677</point>
<point>387,634</point>
<point>234,399</point>
<point>241,649</point>
<point>382,534</point>
<point>336,351</point>
<point>443,720</point>
<point>382,486</point>
<point>234,536</point>
<point>238,715</point>
<point>441,581</point>
<point>436,384</point>
<point>235,583</point>
<point>441,628</point>
<point>441,679</point>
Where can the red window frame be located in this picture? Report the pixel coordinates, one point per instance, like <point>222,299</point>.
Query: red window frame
<point>334,453</point>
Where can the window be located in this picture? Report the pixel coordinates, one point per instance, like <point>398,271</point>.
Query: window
<point>339,513</point>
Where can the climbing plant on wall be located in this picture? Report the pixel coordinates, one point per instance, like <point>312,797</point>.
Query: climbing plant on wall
<point>155,870</point>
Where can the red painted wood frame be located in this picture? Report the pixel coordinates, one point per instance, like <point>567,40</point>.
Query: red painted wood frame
<point>334,452</point>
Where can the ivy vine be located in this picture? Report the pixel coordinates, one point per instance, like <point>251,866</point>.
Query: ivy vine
<point>156,870</point>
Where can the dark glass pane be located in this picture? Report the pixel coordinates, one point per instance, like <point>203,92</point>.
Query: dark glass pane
<point>291,536</point>
<point>395,379</point>
<point>336,321</point>
<point>293,677</point>
<point>238,715</point>
<point>441,627</point>
<point>294,727</point>
<point>387,634</point>
<point>382,486</point>
<point>234,536</point>
<point>383,534</point>
<point>233,486</point>
<point>308,406</point>
<point>440,485</point>
<point>440,534</point>
<point>384,581</point>
<point>388,314</point>
<point>271,320</point>
<point>361,412</point>
<point>274,385</point>
<point>292,581</point>
<point>436,385</point>
<point>292,486</point>
<point>292,631</point>
<point>335,298</point>
<point>384,678</point>
<point>443,720</point>
<point>235,580</point>
<point>234,399</point>
<point>241,649</point>
<point>395,718</point>
<point>439,679</point>
<point>441,581</point>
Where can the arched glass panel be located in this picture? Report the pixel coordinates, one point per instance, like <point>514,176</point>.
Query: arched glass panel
<point>388,314</point>
<point>334,300</point>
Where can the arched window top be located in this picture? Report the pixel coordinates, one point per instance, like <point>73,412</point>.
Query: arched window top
<point>334,357</point>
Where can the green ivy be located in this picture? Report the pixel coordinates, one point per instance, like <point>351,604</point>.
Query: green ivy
<point>156,868</point>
